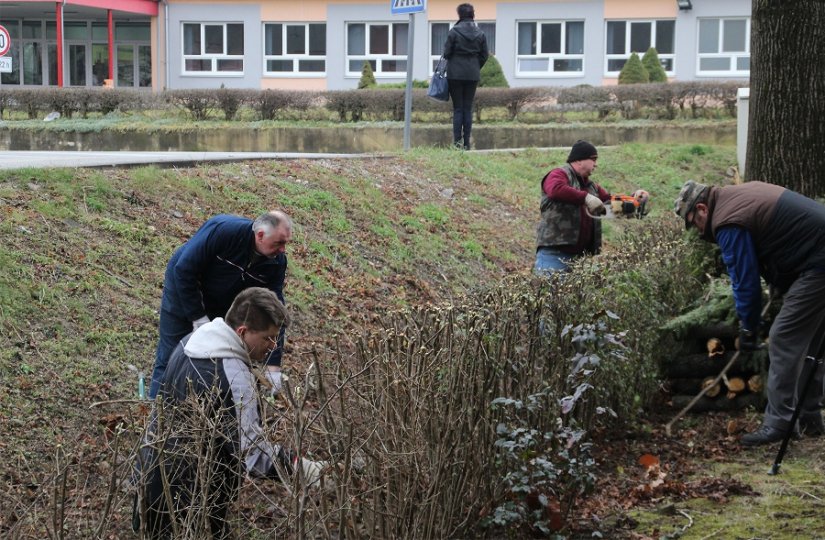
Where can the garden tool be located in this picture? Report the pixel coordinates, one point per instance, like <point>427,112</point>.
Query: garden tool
<point>621,205</point>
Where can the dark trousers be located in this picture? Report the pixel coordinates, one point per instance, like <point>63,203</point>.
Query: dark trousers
<point>171,329</point>
<point>462,94</point>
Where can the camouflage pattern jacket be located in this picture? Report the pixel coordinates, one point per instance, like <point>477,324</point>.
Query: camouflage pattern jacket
<point>562,223</point>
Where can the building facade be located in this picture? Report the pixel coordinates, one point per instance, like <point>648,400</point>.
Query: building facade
<point>323,44</point>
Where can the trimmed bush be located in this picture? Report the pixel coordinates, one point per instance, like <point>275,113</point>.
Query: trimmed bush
<point>198,103</point>
<point>230,101</point>
<point>348,104</point>
<point>633,71</point>
<point>653,66</point>
<point>492,75</point>
<point>367,77</point>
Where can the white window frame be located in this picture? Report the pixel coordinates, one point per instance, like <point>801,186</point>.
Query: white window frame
<point>379,59</point>
<point>295,58</point>
<point>627,38</point>
<point>550,57</point>
<point>212,57</point>
<point>436,54</point>
<point>733,56</point>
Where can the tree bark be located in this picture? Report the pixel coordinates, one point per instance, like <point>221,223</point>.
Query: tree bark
<point>786,131</point>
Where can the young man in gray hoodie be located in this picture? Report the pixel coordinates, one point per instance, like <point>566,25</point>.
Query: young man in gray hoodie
<point>205,431</point>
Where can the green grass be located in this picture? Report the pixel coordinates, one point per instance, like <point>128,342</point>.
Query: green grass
<point>82,255</point>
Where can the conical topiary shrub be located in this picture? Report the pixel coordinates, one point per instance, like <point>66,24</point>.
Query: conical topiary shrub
<point>492,75</point>
<point>367,76</point>
<point>633,71</point>
<point>654,68</point>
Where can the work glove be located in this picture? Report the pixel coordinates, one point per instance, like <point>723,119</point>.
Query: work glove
<point>197,323</point>
<point>275,378</point>
<point>594,205</point>
<point>749,341</point>
<point>641,195</point>
<point>312,470</point>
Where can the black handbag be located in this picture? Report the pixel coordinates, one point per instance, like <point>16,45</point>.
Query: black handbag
<point>439,90</point>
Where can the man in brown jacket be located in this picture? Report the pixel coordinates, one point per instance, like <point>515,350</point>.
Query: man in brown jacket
<point>764,229</point>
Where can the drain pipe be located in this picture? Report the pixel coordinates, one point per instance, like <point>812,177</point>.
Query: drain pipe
<point>165,44</point>
<point>166,41</point>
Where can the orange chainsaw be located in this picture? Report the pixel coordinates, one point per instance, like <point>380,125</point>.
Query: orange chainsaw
<point>626,206</point>
<point>629,206</point>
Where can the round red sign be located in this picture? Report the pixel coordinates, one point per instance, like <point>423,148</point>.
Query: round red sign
<point>5,41</point>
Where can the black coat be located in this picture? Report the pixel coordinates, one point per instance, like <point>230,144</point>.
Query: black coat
<point>466,51</point>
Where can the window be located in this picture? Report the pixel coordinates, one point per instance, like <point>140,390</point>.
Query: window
<point>550,48</point>
<point>724,46</point>
<point>295,49</point>
<point>438,36</point>
<point>626,37</point>
<point>212,48</point>
<point>383,45</point>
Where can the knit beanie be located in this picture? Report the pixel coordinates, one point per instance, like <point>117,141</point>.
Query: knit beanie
<point>582,150</point>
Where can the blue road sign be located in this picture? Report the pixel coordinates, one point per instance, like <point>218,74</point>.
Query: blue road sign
<point>408,6</point>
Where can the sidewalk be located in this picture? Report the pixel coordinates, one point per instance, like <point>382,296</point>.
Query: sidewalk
<point>30,159</point>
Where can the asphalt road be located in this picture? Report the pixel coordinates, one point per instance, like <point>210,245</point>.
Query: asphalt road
<point>23,160</point>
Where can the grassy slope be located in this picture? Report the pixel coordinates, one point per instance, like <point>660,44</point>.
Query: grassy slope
<point>82,254</point>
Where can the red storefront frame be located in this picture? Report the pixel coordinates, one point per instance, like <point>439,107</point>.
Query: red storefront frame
<point>140,7</point>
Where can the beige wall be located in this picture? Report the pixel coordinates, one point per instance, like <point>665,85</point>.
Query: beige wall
<point>639,9</point>
<point>272,83</point>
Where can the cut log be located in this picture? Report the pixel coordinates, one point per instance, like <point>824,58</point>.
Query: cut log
<point>705,404</point>
<point>715,347</point>
<point>725,332</point>
<point>684,386</point>
<point>735,384</point>
<point>755,383</point>
<point>713,389</point>
<point>695,366</point>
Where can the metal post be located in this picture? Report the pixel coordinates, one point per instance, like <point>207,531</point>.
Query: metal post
<point>408,93</point>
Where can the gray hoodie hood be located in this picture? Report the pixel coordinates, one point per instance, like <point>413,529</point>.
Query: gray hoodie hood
<point>216,339</point>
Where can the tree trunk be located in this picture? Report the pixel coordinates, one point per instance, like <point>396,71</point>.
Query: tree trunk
<point>786,131</point>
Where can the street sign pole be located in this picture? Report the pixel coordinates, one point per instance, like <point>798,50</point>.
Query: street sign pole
<point>412,7</point>
<point>408,93</point>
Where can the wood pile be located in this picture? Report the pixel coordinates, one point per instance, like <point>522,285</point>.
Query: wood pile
<point>710,349</point>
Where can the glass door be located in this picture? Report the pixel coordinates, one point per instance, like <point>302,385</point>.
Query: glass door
<point>77,65</point>
<point>125,65</point>
<point>100,63</point>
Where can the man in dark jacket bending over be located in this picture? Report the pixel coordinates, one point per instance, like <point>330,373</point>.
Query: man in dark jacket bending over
<point>225,256</point>
<point>767,229</point>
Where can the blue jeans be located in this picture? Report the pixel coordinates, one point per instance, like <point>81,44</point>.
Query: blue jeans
<point>549,260</point>
<point>462,94</point>
<point>172,330</point>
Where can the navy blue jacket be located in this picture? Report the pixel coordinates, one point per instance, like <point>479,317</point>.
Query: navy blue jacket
<point>206,273</point>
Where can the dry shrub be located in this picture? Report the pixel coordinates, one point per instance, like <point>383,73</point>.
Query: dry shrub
<point>450,421</point>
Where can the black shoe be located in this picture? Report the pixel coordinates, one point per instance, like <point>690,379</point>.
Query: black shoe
<point>765,435</point>
<point>812,427</point>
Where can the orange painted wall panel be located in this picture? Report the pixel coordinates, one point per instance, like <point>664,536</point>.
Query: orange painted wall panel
<point>640,9</point>
<point>293,84</point>
<point>445,11</point>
